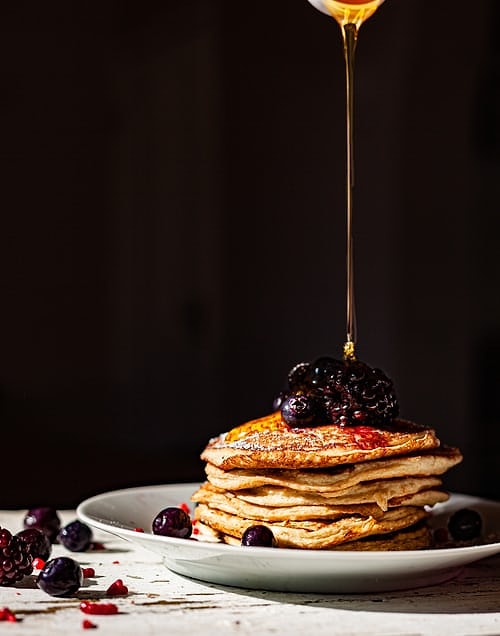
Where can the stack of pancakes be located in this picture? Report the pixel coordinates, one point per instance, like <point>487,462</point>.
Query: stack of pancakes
<point>327,487</point>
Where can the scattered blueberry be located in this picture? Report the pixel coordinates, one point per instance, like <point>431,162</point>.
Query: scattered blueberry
<point>37,543</point>
<point>45,519</point>
<point>75,536</point>
<point>259,536</point>
<point>173,522</point>
<point>465,524</point>
<point>60,577</point>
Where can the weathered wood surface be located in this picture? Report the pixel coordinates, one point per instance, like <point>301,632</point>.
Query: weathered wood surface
<point>160,601</point>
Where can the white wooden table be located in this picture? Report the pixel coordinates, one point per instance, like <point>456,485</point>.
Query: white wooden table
<point>161,602</point>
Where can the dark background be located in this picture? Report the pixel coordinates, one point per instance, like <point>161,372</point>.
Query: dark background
<point>173,228</point>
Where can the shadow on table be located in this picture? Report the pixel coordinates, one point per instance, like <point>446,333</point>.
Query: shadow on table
<point>467,593</point>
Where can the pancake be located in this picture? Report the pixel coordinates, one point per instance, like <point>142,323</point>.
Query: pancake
<point>314,534</point>
<point>434,462</point>
<point>233,504</point>
<point>416,537</point>
<point>269,442</point>
<point>377,492</point>
<point>380,493</point>
<point>327,487</point>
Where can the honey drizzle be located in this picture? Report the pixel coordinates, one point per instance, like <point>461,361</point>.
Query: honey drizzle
<point>350,14</point>
<point>350,37</point>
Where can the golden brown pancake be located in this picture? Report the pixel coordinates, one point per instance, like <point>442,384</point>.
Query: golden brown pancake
<point>417,537</point>
<point>270,443</point>
<point>379,492</point>
<point>433,462</point>
<point>314,534</point>
<point>328,487</point>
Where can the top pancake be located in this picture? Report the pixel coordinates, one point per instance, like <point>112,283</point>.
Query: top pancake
<point>270,443</point>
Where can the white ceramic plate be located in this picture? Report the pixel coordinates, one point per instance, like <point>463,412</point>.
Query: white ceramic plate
<point>283,569</point>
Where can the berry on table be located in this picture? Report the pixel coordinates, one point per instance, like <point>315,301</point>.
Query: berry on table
<point>259,535</point>
<point>45,519</point>
<point>15,558</point>
<point>75,536</point>
<point>172,522</point>
<point>37,543</point>
<point>61,576</point>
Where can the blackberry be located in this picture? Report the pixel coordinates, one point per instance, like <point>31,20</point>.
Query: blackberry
<point>37,543</point>
<point>324,375</point>
<point>15,559</point>
<point>361,395</point>
<point>342,392</point>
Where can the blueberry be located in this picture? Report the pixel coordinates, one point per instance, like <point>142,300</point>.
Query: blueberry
<point>172,522</point>
<point>45,519</point>
<point>37,543</point>
<point>259,536</point>
<point>278,400</point>
<point>60,577</point>
<point>75,536</point>
<point>324,372</point>
<point>299,410</point>
<point>465,524</point>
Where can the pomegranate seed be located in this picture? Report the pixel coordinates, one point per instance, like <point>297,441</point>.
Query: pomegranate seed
<point>98,608</point>
<point>7,615</point>
<point>138,529</point>
<point>115,562</point>
<point>88,573</point>
<point>117,589</point>
<point>86,624</point>
<point>196,531</point>
<point>185,507</point>
<point>38,563</point>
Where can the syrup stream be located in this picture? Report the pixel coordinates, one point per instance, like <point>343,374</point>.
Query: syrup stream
<point>350,38</point>
<point>350,15</point>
